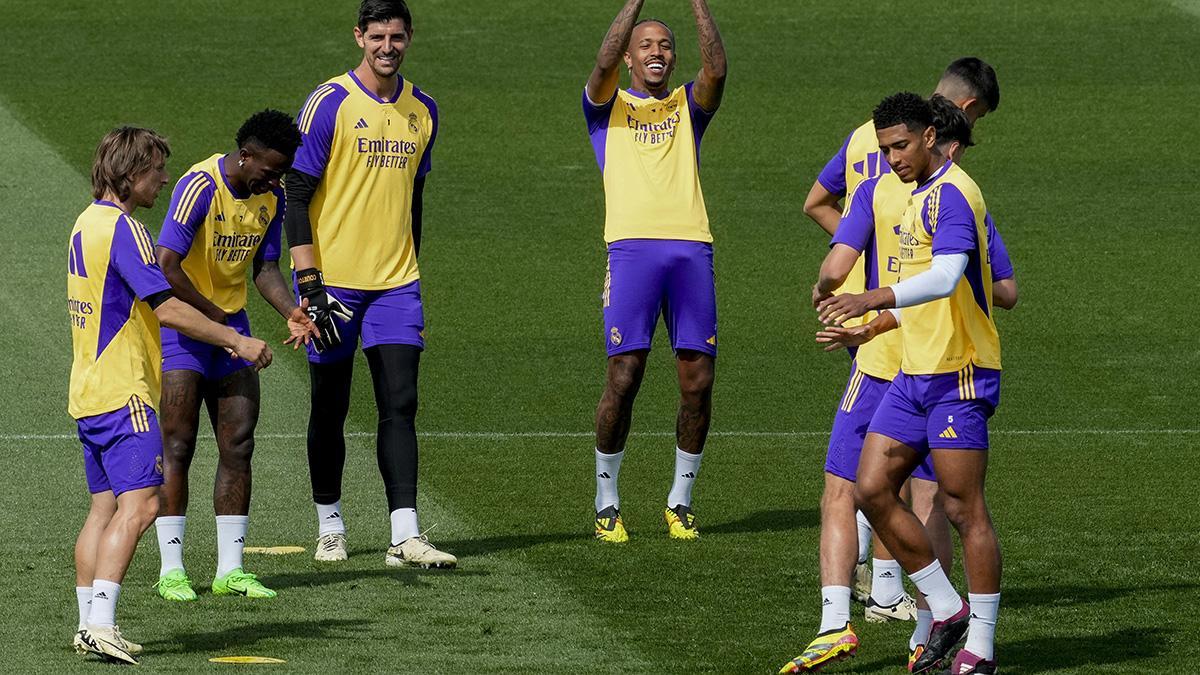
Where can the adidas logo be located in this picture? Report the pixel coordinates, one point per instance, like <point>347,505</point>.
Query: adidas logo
<point>102,595</point>
<point>220,217</point>
<point>239,540</point>
<point>333,515</point>
<point>887,575</point>
<point>176,541</point>
<point>603,474</point>
<point>689,475</point>
<point>362,124</point>
<point>827,602</point>
<point>948,433</point>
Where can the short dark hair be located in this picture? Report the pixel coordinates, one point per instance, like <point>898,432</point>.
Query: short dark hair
<point>661,23</point>
<point>979,77</point>
<point>271,129</point>
<point>124,154</point>
<point>371,11</point>
<point>905,108</point>
<point>950,121</point>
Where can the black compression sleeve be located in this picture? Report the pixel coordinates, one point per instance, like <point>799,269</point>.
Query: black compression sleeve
<point>418,207</point>
<point>158,298</point>
<point>299,189</point>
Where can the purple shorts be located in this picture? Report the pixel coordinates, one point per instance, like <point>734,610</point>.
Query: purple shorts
<point>651,277</point>
<point>858,404</point>
<point>948,410</point>
<point>181,352</point>
<point>122,449</point>
<point>391,317</point>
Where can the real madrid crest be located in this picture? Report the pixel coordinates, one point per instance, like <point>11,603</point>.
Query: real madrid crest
<point>412,123</point>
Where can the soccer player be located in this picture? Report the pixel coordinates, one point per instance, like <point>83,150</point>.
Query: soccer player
<point>354,227</point>
<point>947,388</point>
<point>647,143</point>
<point>116,298</point>
<point>225,217</point>
<point>971,84</point>
<point>869,228</point>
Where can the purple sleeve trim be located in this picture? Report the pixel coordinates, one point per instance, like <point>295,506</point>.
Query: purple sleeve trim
<point>597,117</point>
<point>857,227</point>
<point>1002,267</point>
<point>317,121</point>
<point>272,243</point>
<point>833,175</point>
<point>190,201</point>
<point>132,255</point>
<point>953,223</point>
<point>700,117</point>
<point>427,157</point>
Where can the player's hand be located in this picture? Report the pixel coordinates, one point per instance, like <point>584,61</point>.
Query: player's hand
<point>301,327</point>
<point>818,295</point>
<point>253,350</point>
<point>322,308</point>
<point>835,337</point>
<point>836,309</point>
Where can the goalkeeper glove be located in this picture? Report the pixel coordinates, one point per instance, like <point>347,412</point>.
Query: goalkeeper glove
<point>322,308</point>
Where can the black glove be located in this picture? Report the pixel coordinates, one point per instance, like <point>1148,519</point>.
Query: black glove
<point>322,308</point>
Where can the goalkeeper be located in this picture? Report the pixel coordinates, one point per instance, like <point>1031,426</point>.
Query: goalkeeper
<point>354,227</point>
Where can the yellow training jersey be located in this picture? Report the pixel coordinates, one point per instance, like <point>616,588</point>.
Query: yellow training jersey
<point>648,150</point>
<point>220,231</point>
<point>947,215</point>
<point>111,270</point>
<point>366,151</point>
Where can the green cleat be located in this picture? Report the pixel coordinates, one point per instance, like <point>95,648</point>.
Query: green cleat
<point>175,585</point>
<point>238,582</point>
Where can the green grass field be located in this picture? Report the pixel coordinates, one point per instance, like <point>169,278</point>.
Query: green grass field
<point>1093,468</point>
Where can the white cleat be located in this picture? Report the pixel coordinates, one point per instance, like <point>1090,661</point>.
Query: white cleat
<point>107,642</point>
<point>418,552</point>
<point>904,610</point>
<point>331,547</point>
<point>862,582</point>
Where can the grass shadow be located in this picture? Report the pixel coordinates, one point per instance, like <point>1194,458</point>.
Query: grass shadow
<point>511,542</point>
<point>251,633</point>
<point>1070,595</point>
<point>771,520</point>
<point>406,577</point>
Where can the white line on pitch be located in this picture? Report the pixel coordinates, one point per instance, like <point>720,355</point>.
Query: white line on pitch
<point>501,435</point>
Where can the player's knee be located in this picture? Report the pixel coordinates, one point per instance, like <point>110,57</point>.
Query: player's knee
<point>141,512</point>
<point>178,447</point>
<point>237,449</point>
<point>965,512</point>
<point>624,377</point>
<point>399,402</point>
<point>870,496</point>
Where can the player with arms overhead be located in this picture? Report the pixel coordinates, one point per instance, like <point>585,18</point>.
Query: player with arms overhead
<point>116,298</point>
<point>947,388</point>
<point>354,227</point>
<point>225,217</point>
<point>660,262</point>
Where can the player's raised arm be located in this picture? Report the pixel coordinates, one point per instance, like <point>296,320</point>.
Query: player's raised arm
<point>605,76</point>
<point>710,82</point>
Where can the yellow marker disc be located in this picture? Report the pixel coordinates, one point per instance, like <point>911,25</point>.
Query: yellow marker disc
<point>274,550</point>
<point>245,659</point>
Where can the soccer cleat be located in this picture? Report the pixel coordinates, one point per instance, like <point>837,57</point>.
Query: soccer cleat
<point>914,655</point>
<point>175,585</point>
<point>238,582</point>
<point>828,647</point>
<point>107,642</point>
<point>943,637</point>
<point>609,526</point>
<point>967,663</point>
<point>681,522</point>
<point>862,582</point>
<point>331,547</point>
<point>904,610</point>
<point>418,552</point>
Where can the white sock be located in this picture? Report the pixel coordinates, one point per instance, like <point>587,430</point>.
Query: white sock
<point>864,536</point>
<point>981,635</point>
<point>83,597</point>
<point>835,607</point>
<point>170,542</point>
<point>933,583</point>
<point>920,634</point>
<point>404,525</point>
<point>231,539</point>
<point>687,467</point>
<point>104,603</point>
<point>887,588</point>
<point>329,519</point>
<point>608,467</point>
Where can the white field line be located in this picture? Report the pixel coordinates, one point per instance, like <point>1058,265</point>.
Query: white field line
<point>507,435</point>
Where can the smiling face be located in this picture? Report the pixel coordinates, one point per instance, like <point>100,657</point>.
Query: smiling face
<point>909,152</point>
<point>651,56</point>
<point>262,168</point>
<point>384,44</point>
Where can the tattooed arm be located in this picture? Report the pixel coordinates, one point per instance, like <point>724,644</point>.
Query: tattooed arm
<point>710,83</point>
<point>605,76</point>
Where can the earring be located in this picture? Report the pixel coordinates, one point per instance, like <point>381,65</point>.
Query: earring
<point>241,162</point>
